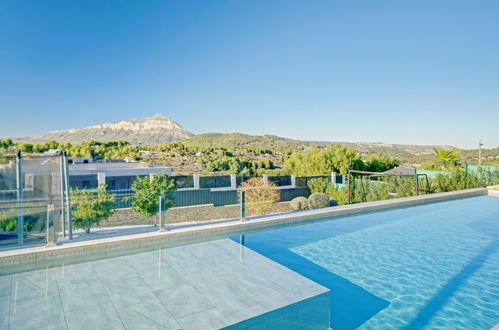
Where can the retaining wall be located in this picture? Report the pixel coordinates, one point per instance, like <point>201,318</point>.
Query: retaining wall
<point>203,212</point>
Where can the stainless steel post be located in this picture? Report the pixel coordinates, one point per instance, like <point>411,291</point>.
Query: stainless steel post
<point>61,177</point>
<point>417,185</point>
<point>68,200</point>
<point>243,205</point>
<point>19,183</point>
<point>51,239</point>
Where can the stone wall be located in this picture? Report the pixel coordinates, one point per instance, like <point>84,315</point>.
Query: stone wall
<point>204,212</point>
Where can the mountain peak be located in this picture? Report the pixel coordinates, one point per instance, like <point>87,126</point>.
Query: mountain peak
<point>154,130</point>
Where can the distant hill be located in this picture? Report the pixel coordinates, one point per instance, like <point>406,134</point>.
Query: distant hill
<point>160,129</point>
<point>232,140</point>
<point>220,140</point>
<point>413,149</point>
<point>154,130</point>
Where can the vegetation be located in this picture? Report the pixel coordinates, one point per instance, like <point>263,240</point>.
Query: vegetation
<point>318,200</point>
<point>447,159</point>
<point>145,200</point>
<point>395,187</point>
<point>260,195</point>
<point>241,154</point>
<point>299,203</point>
<point>315,161</point>
<point>90,206</point>
<point>8,220</point>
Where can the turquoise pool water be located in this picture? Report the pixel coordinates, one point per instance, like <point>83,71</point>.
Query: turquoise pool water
<point>429,266</point>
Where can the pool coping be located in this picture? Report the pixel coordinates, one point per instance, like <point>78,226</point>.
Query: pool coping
<point>38,253</point>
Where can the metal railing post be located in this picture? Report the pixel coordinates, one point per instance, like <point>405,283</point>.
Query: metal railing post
<point>162,213</point>
<point>61,177</point>
<point>51,239</point>
<point>19,182</point>
<point>349,186</point>
<point>68,200</point>
<point>243,205</point>
<point>417,185</point>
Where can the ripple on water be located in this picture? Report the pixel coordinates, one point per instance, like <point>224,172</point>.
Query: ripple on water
<point>434,267</point>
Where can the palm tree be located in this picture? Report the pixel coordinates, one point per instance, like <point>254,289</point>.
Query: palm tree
<point>447,159</point>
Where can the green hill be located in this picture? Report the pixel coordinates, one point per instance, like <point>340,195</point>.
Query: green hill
<point>239,140</point>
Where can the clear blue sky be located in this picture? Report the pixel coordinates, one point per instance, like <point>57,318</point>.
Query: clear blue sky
<point>419,72</point>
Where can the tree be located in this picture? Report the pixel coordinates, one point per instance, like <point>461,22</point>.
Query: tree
<point>90,206</point>
<point>314,161</point>
<point>380,163</point>
<point>145,200</point>
<point>447,159</point>
<point>260,195</point>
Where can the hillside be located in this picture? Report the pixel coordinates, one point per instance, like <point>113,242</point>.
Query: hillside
<point>154,130</point>
<point>240,140</point>
<point>160,129</point>
<point>233,140</point>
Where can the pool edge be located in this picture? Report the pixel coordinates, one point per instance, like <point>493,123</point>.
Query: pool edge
<point>33,254</point>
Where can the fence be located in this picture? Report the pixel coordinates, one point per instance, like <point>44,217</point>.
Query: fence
<point>208,196</point>
<point>33,199</point>
<point>124,182</point>
<point>469,168</point>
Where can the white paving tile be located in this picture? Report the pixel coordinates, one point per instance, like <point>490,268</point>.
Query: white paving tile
<point>198,286</point>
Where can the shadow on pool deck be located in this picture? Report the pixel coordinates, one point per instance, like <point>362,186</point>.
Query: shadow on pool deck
<point>312,313</point>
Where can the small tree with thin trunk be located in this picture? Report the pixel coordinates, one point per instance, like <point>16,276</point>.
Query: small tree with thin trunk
<point>145,200</point>
<point>90,206</point>
<point>260,195</point>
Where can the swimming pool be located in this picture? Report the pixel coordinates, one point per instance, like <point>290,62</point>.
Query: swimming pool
<point>427,266</point>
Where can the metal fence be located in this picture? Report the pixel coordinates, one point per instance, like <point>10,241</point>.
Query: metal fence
<point>208,196</point>
<point>303,181</point>
<point>214,181</point>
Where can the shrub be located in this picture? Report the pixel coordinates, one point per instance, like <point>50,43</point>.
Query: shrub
<point>145,200</point>
<point>8,220</point>
<point>333,190</point>
<point>260,196</point>
<point>318,200</point>
<point>299,203</point>
<point>90,206</point>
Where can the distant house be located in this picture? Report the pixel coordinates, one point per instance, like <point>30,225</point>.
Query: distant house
<point>80,160</point>
<point>116,175</point>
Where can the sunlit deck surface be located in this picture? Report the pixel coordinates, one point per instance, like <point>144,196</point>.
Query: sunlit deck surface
<point>198,286</point>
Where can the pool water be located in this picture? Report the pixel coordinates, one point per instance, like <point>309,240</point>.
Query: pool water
<point>428,266</point>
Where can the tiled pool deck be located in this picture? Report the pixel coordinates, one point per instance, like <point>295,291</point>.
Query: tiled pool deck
<point>199,286</point>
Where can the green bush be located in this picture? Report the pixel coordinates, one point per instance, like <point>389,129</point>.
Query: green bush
<point>318,200</point>
<point>145,200</point>
<point>90,206</point>
<point>299,203</point>
<point>333,190</point>
<point>8,220</point>
<point>333,202</point>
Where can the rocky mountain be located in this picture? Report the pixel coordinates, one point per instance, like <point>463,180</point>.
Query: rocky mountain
<point>160,129</point>
<point>148,131</point>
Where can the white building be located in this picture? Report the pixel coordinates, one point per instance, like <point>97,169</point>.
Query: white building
<point>114,175</point>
